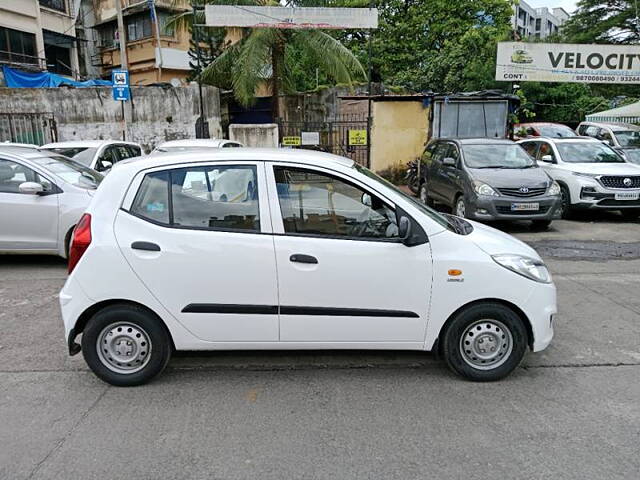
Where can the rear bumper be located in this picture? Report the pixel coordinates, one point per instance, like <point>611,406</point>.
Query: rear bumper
<point>73,302</point>
<point>500,208</point>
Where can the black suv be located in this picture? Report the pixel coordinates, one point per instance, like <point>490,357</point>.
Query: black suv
<point>487,179</point>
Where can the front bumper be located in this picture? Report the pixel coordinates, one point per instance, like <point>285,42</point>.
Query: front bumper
<point>604,199</point>
<point>486,208</point>
<point>541,310</point>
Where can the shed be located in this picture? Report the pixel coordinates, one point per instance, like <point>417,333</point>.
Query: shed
<point>626,114</point>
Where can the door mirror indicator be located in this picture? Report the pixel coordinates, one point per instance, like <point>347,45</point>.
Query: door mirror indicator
<point>31,188</point>
<point>404,229</point>
<point>450,162</point>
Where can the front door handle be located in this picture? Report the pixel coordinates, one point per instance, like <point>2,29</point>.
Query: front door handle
<point>148,246</point>
<point>301,258</point>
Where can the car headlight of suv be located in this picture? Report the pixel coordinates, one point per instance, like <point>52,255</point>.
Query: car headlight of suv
<point>554,189</point>
<point>528,267</point>
<point>482,188</point>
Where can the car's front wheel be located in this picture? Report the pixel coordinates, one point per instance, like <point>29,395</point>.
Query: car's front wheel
<point>460,209</point>
<point>485,342</point>
<point>126,345</point>
<point>631,213</point>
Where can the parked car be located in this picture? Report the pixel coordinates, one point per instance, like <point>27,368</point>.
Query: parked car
<point>100,155</point>
<point>591,174</point>
<point>488,179</point>
<point>623,137</point>
<point>42,196</point>
<point>320,254</point>
<point>191,144</point>
<point>542,129</point>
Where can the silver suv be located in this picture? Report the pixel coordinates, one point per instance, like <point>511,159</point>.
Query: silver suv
<point>623,137</point>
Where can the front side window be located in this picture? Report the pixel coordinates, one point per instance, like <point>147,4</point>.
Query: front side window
<point>213,197</point>
<point>628,138</point>
<point>546,152</point>
<point>320,204</point>
<point>13,174</point>
<point>531,148</point>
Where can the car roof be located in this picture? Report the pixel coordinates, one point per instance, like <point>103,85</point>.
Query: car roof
<point>195,142</point>
<point>478,141</point>
<point>561,139</point>
<point>616,127</point>
<point>541,124</point>
<point>26,153</point>
<point>86,144</point>
<point>308,157</point>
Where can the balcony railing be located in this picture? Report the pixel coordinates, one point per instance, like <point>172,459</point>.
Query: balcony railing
<point>22,60</point>
<point>60,5</point>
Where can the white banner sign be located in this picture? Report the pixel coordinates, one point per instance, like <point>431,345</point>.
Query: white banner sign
<point>289,17</point>
<point>562,62</point>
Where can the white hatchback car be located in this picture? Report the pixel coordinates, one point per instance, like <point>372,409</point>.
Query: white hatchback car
<point>191,144</point>
<point>42,196</point>
<point>316,252</point>
<point>591,174</point>
<point>99,155</point>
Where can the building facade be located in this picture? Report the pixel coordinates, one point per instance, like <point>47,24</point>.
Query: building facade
<point>529,22</point>
<point>148,62</point>
<point>40,35</point>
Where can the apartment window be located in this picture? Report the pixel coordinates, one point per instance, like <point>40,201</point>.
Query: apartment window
<point>163,20</point>
<point>538,24</point>
<point>138,27</point>
<point>17,47</point>
<point>60,5</point>
<point>108,36</point>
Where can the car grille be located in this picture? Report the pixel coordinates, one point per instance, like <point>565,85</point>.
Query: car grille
<point>611,181</point>
<point>507,209</point>
<point>515,192</point>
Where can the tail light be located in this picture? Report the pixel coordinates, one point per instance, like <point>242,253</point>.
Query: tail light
<point>81,239</point>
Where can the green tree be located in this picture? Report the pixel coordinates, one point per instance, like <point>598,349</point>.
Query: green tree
<point>608,21</point>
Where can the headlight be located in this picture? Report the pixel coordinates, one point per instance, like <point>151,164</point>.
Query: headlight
<point>554,188</point>
<point>483,189</point>
<point>527,267</point>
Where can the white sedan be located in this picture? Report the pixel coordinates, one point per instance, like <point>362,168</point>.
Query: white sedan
<point>192,144</point>
<point>313,252</point>
<point>42,196</point>
<point>100,155</point>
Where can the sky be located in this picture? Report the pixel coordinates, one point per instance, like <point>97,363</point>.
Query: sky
<point>568,5</point>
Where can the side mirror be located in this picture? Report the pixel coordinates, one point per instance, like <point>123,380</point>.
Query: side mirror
<point>547,159</point>
<point>366,199</point>
<point>106,164</point>
<point>404,229</point>
<point>31,188</point>
<point>450,162</point>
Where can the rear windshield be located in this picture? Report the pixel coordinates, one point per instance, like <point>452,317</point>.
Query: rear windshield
<point>70,171</point>
<point>83,155</point>
<point>556,131</point>
<point>628,138</point>
<point>591,152</point>
<point>496,156</point>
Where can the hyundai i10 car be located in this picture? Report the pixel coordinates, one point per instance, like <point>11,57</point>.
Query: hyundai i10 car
<point>237,249</point>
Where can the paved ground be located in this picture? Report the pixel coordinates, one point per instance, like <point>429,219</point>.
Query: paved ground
<point>570,412</point>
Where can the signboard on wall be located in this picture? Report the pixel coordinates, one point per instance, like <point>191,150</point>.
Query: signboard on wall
<point>357,137</point>
<point>289,17</point>
<point>564,62</point>
<point>291,141</point>
<point>120,81</point>
<point>310,138</point>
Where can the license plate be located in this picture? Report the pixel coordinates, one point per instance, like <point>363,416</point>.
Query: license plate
<point>628,196</point>
<point>518,207</point>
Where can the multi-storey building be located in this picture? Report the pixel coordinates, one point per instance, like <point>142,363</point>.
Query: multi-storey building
<point>39,35</point>
<point>529,22</point>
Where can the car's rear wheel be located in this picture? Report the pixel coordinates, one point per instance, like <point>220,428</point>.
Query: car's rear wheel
<point>125,345</point>
<point>485,342</point>
<point>631,213</point>
<point>424,195</point>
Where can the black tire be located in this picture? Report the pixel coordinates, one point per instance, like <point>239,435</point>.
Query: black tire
<point>483,315</point>
<point>540,224</point>
<point>158,349</point>
<point>630,214</point>
<point>566,211</point>
<point>423,195</point>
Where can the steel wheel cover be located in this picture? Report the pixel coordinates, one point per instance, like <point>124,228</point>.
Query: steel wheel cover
<point>124,347</point>
<point>486,344</point>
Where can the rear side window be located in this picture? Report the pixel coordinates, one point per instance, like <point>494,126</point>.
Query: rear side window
<point>213,197</point>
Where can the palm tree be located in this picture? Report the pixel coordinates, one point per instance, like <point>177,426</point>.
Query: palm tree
<point>265,56</point>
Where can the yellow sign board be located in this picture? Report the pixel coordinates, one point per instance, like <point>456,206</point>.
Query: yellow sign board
<point>291,141</point>
<point>357,137</point>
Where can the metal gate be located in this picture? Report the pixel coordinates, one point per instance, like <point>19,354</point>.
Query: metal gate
<point>346,135</point>
<point>35,128</point>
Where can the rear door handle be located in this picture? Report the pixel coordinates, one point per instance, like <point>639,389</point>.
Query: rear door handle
<point>301,258</point>
<point>148,246</point>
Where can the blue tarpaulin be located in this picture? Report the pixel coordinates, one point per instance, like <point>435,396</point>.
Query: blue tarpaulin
<point>19,79</point>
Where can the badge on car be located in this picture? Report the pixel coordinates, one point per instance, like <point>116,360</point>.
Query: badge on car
<point>627,196</point>
<point>518,207</point>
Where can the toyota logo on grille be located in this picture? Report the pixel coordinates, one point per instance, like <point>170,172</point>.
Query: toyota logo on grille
<point>627,182</point>
<point>523,189</point>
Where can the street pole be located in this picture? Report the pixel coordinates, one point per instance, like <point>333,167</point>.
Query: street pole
<point>195,33</point>
<point>369,120</point>
<point>152,5</point>
<point>124,64</point>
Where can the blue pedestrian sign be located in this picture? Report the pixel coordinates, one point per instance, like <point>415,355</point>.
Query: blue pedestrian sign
<point>120,81</point>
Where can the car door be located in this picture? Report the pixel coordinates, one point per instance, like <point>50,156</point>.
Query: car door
<point>437,176</point>
<point>27,221</point>
<point>344,277</point>
<point>453,174</point>
<point>204,249</point>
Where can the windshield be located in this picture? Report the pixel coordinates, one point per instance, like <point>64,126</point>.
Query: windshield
<point>556,131</point>
<point>632,155</point>
<point>83,155</point>
<point>628,138</point>
<point>587,152</point>
<point>70,171</point>
<point>497,156</point>
<point>437,217</point>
